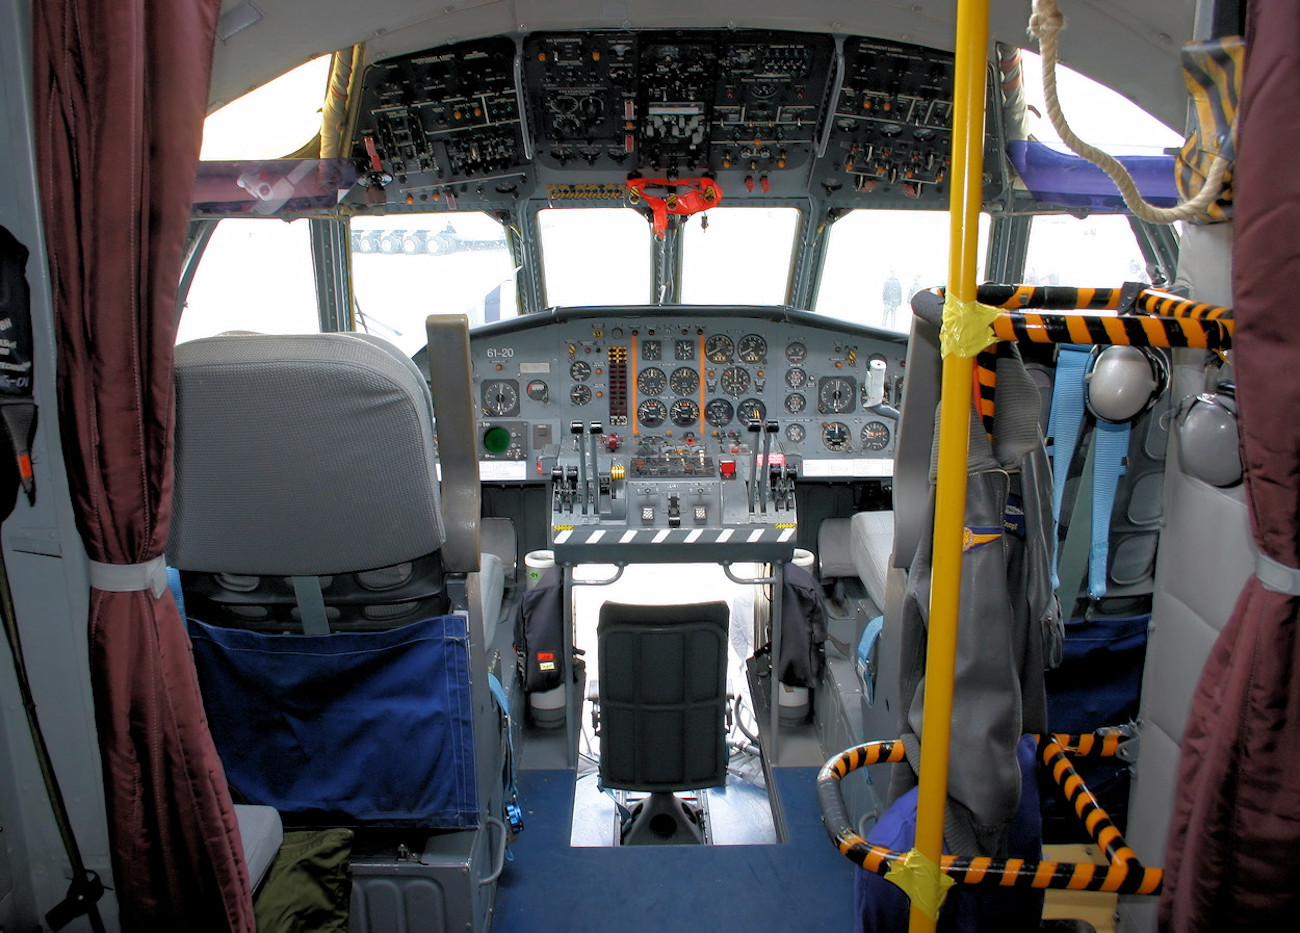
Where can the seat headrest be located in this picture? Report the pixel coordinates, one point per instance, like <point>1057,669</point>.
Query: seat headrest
<point>299,455</point>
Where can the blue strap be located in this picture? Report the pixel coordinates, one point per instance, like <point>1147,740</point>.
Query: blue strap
<point>1063,426</point>
<point>867,657</point>
<point>174,584</point>
<point>503,703</point>
<point>1107,467</point>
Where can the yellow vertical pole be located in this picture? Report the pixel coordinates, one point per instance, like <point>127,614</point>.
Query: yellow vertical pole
<point>965,186</point>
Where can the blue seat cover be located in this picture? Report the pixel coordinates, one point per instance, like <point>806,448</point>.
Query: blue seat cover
<point>371,727</point>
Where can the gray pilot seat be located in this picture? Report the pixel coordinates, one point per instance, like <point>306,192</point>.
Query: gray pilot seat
<point>663,703</point>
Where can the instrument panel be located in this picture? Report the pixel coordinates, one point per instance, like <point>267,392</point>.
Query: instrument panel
<point>680,382</point>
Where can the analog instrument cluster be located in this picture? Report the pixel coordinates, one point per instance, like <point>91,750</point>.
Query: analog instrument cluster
<point>703,377</point>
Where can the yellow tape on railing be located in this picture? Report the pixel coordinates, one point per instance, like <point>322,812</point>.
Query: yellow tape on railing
<point>967,327</point>
<point>921,880</point>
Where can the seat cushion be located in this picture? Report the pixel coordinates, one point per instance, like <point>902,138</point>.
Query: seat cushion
<point>261,833</point>
<point>871,543</point>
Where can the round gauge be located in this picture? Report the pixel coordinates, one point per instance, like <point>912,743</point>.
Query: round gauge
<point>875,435</point>
<point>836,394</point>
<point>836,436</point>
<point>684,381</point>
<point>652,413</point>
<point>501,397</point>
<point>719,348</point>
<point>651,381</point>
<point>796,352</point>
<point>751,409</point>
<point>795,403</point>
<point>684,350</point>
<point>539,391</point>
<point>735,380</point>
<point>652,350</point>
<point>580,394</point>
<point>719,412</point>
<point>796,378</point>
<point>795,433</point>
<point>684,413</point>
<point>579,371</point>
<point>751,348</point>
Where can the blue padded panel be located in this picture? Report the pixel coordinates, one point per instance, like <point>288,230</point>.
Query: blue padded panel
<point>369,727</point>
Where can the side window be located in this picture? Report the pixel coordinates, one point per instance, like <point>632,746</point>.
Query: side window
<point>1099,251</point>
<point>408,266</point>
<point>254,275</point>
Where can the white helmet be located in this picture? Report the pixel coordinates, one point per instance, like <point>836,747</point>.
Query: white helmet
<point>1207,437</point>
<point>1122,382</point>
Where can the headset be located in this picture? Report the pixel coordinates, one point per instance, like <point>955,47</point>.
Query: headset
<point>1208,445</point>
<point>1122,383</point>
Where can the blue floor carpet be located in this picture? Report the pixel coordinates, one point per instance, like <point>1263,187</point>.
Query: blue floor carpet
<point>801,886</point>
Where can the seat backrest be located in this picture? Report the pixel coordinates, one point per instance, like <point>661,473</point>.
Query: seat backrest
<point>305,456</point>
<point>307,502</point>
<point>663,696</point>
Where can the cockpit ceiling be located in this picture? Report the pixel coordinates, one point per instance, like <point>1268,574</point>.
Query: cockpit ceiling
<point>1132,48</point>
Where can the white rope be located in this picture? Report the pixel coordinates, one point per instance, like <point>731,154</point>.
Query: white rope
<point>1044,23</point>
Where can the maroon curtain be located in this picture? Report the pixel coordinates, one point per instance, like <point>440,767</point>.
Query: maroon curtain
<point>1233,858</point>
<point>121,90</point>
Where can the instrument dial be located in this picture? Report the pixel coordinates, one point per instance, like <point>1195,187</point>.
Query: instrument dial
<point>836,395</point>
<point>651,381</point>
<point>795,433</point>
<point>652,350</point>
<point>796,378</point>
<point>751,348</point>
<point>719,412</point>
<point>652,412</point>
<point>875,435</point>
<point>684,350</point>
<point>538,391</point>
<point>836,436</point>
<point>795,403</point>
<point>501,397</point>
<point>751,409</point>
<point>796,352</point>
<point>684,381</point>
<point>684,413</point>
<point>580,371</point>
<point>580,394</point>
<point>735,380</point>
<point>719,348</point>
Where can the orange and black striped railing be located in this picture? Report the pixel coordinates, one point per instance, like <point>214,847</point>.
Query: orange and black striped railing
<point>1055,314</point>
<point>1123,873</point>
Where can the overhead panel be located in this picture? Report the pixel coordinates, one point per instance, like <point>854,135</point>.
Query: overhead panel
<point>571,116</point>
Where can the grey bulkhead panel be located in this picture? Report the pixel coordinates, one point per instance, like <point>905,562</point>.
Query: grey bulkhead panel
<point>1206,554</point>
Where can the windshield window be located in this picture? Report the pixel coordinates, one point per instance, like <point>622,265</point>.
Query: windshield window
<point>254,275</point>
<point>408,266</point>
<point>876,261</point>
<point>738,255</point>
<point>595,256</point>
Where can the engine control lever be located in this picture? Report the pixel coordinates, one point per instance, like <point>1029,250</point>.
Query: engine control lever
<point>595,430</point>
<point>771,428</point>
<point>576,428</point>
<point>751,494</point>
